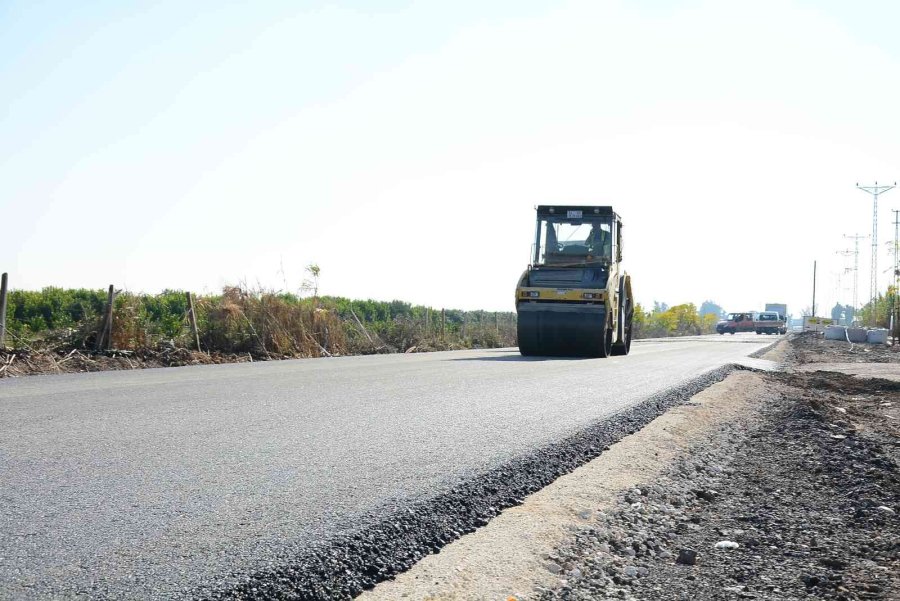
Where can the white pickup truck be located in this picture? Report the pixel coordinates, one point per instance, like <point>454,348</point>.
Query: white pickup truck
<point>770,322</point>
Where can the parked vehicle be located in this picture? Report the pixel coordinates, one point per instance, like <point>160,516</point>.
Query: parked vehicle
<point>770,322</point>
<point>737,322</point>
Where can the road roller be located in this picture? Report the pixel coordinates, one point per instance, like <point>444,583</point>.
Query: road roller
<point>574,299</point>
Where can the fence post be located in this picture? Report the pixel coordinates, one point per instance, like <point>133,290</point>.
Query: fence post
<point>443,323</point>
<point>3,279</point>
<point>106,326</point>
<point>193,317</point>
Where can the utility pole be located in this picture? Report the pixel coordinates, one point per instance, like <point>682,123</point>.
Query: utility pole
<point>895,303</point>
<point>873,282</point>
<point>843,271</point>
<point>838,288</point>
<point>814,290</point>
<point>856,238</point>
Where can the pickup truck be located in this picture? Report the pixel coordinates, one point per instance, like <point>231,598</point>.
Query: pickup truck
<point>737,322</point>
<point>770,322</point>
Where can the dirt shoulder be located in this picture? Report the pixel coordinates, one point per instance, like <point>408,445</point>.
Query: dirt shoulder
<point>764,486</point>
<point>800,503</point>
<point>25,362</point>
<point>31,362</point>
<point>807,348</point>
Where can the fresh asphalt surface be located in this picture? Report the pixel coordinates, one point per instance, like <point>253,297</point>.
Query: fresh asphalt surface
<point>153,483</point>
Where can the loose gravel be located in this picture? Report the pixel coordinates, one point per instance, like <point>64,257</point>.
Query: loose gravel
<point>797,501</point>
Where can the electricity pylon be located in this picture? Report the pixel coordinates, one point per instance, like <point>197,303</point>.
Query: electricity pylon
<point>873,281</point>
<point>856,238</point>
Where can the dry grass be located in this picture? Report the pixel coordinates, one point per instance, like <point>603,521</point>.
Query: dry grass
<point>240,324</point>
<point>266,324</point>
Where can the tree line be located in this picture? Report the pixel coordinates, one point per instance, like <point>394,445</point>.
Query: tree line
<point>680,320</point>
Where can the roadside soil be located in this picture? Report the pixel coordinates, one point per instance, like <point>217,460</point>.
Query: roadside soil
<point>34,362</point>
<point>800,503</point>
<point>806,348</point>
<point>30,362</point>
<point>765,486</point>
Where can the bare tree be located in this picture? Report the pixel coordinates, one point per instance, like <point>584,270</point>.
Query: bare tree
<point>311,283</point>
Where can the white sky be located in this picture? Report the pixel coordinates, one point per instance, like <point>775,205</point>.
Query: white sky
<point>403,148</point>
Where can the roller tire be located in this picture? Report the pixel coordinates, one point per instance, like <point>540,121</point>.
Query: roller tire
<point>606,345</point>
<point>626,308</point>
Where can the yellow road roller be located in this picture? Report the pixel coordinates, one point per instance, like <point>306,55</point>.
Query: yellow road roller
<point>574,299</point>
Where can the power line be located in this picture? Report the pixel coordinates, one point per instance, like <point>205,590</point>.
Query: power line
<point>873,277</point>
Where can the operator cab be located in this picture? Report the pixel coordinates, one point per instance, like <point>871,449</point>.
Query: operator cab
<point>576,236</point>
<point>574,247</point>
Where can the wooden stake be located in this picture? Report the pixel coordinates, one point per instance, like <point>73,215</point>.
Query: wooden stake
<point>3,280</point>
<point>193,317</point>
<point>106,326</point>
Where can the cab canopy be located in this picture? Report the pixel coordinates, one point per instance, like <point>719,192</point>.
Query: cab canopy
<point>569,235</point>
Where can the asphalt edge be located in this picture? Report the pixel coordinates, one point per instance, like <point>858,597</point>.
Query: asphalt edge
<point>769,347</point>
<point>346,566</point>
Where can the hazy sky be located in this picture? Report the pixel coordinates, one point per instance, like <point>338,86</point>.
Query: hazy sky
<point>403,145</point>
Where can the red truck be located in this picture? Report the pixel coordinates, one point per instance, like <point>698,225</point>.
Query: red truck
<point>737,322</point>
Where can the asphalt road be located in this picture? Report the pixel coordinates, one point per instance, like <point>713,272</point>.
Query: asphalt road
<point>150,484</point>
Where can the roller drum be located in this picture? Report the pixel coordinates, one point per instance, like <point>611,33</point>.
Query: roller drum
<point>566,330</point>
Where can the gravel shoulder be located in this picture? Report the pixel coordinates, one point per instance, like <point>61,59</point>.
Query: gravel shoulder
<point>764,486</point>
<point>517,553</point>
<point>799,501</point>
